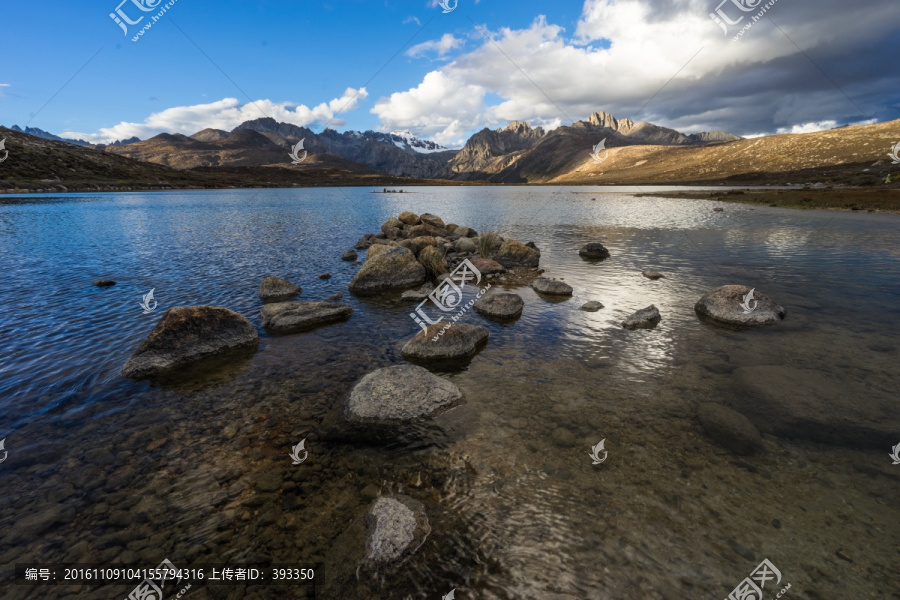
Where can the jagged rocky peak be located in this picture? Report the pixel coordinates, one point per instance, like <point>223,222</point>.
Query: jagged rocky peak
<point>522,128</point>
<point>604,119</point>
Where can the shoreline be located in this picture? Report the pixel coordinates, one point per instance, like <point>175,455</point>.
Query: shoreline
<point>849,199</point>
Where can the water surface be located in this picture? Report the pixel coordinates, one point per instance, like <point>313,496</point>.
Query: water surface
<point>106,470</point>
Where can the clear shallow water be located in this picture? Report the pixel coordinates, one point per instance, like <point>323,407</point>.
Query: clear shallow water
<point>534,519</point>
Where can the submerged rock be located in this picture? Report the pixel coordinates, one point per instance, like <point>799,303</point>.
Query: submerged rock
<point>729,428</point>
<point>292,317</point>
<point>349,255</point>
<point>652,275</point>
<point>324,275</point>
<point>365,560</point>
<point>446,340</point>
<point>551,287</point>
<point>500,306</point>
<point>400,393</point>
<point>592,306</point>
<point>739,306</point>
<point>102,283</point>
<point>594,251</point>
<point>646,318</point>
<point>816,405</point>
<point>396,526</point>
<point>514,254</point>
<point>276,289</point>
<point>187,334</point>
<point>394,268</point>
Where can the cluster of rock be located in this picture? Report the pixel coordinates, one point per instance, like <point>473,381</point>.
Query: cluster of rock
<point>402,404</point>
<point>422,247</point>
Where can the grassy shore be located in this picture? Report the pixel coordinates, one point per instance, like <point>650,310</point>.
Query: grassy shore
<point>885,199</point>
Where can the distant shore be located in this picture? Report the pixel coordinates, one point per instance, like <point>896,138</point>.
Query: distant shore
<point>847,199</point>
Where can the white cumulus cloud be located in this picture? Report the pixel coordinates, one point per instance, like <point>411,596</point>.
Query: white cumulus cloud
<point>226,114</point>
<point>441,47</point>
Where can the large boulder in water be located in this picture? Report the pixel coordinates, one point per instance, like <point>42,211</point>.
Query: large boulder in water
<point>515,254</point>
<point>187,334</point>
<point>446,341</point>
<point>276,289</point>
<point>392,269</point>
<point>739,306</point>
<point>292,317</point>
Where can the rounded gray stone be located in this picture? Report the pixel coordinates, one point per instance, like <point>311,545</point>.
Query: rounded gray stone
<point>551,287</point>
<point>349,255</point>
<point>276,289</point>
<point>592,306</point>
<point>726,305</point>
<point>396,526</point>
<point>652,275</point>
<point>400,393</point>
<point>500,306</point>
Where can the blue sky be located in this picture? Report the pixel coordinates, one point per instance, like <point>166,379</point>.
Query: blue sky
<point>216,64</point>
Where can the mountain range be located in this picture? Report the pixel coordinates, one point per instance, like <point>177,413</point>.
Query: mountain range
<point>600,150</point>
<point>510,154</point>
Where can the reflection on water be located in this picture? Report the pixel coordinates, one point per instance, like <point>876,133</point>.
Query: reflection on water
<point>110,471</point>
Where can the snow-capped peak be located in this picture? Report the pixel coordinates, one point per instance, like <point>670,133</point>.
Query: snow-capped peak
<point>406,138</point>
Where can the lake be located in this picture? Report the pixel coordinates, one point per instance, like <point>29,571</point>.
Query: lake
<point>107,471</point>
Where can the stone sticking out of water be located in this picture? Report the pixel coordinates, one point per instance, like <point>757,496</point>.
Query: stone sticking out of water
<point>727,306</point>
<point>187,334</point>
<point>292,317</point>
<point>393,268</point>
<point>646,318</point>
<point>276,289</point>
<point>551,287</point>
<point>500,306</point>
<point>454,341</point>
<point>594,251</point>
